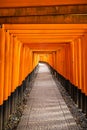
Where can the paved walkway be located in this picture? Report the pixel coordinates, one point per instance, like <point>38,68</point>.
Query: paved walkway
<point>46,109</point>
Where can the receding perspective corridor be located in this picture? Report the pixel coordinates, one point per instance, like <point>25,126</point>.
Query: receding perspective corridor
<point>43,64</point>
<point>46,108</point>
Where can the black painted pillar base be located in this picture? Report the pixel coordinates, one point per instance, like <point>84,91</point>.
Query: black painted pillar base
<point>83,103</point>
<point>20,94</point>
<point>75,94</point>
<point>79,99</point>
<point>72,91</point>
<point>55,73</point>
<point>16,97</point>
<point>29,78</point>
<point>86,105</point>
<point>69,86</point>
<point>9,105</point>
<point>13,102</point>
<point>5,113</point>
<point>24,85</point>
<point>1,117</point>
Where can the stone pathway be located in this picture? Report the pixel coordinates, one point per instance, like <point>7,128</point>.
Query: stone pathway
<point>46,109</point>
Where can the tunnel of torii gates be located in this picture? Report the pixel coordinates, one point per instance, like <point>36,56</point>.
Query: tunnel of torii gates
<point>56,35</point>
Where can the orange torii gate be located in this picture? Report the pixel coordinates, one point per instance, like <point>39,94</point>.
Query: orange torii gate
<point>54,34</point>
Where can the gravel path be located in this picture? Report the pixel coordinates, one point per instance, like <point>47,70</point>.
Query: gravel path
<point>46,108</point>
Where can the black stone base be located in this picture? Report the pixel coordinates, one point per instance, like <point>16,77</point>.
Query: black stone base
<point>13,102</point>
<point>79,98</point>
<point>86,104</point>
<point>20,94</point>
<point>1,117</point>
<point>5,112</point>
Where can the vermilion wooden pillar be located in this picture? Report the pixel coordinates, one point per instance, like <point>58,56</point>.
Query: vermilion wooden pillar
<point>76,55</point>
<point>57,60</point>
<point>26,61</point>
<point>50,59</point>
<point>79,71</point>
<point>15,72</point>
<point>73,63</point>
<point>15,67</point>
<point>84,66</point>
<point>20,68</point>
<point>2,61</point>
<point>10,63</point>
<point>23,60</point>
<point>76,61</point>
<point>85,87</point>
<point>25,69</point>
<point>60,60</point>
<point>18,62</point>
<point>85,41</point>
<point>7,65</point>
<point>84,73</point>
<point>35,59</point>
<point>6,77</point>
<point>31,60</point>
<point>14,76</point>
<point>68,62</point>
<point>25,72</point>
<point>11,90</point>
<point>20,88</point>
<point>54,58</point>
<point>64,60</point>
<point>80,63</point>
<point>71,58</point>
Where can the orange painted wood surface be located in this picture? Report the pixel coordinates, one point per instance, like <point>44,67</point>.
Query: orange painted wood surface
<point>11,64</point>
<point>18,59</point>
<point>7,65</point>
<point>2,60</point>
<point>15,3</point>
